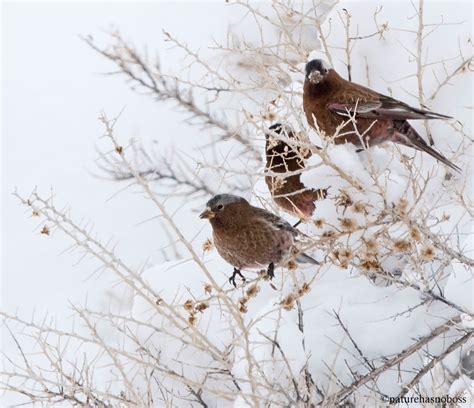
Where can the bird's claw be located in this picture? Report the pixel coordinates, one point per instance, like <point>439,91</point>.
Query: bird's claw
<point>270,271</point>
<point>232,278</point>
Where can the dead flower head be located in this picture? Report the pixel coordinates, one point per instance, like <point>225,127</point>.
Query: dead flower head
<point>359,207</point>
<point>371,245</point>
<point>292,265</point>
<point>402,245</point>
<point>402,206</point>
<point>328,234</point>
<point>188,305</point>
<point>200,307</point>
<point>344,199</point>
<point>243,308</point>
<point>191,319</point>
<point>207,245</point>
<point>370,264</point>
<point>427,253</point>
<point>318,223</point>
<point>305,288</point>
<point>415,233</point>
<point>349,224</point>
<point>344,256</point>
<point>45,230</point>
<point>288,302</point>
<point>252,291</point>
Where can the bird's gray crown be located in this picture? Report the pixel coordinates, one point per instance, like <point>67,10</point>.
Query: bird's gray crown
<point>317,65</point>
<point>224,199</point>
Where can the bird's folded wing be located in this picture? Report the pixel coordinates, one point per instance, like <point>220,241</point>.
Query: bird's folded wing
<point>275,221</point>
<point>383,108</point>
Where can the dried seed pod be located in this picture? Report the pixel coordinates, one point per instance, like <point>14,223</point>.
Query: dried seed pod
<point>45,230</point>
<point>305,288</point>
<point>344,199</point>
<point>370,264</point>
<point>188,305</point>
<point>402,245</point>
<point>288,302</point>
<point>318,223</point>
<point>344,256</point>
<point>349,224</point>
<point>200,307</point>
<point>243,308</point>
<point>402,206</point>
<point>427,253</point>
<point>292,265</point>
<point>252,291</point>
<point>359,207</point>
<point>243,300</point>
<point>371,245</point>
<point>270,116</point>
<point>207,245</point>
<point>415,233</point>
<point>328,234</point>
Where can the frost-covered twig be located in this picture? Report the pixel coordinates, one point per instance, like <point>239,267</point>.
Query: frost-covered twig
<point>348,390</point>
<point>171,172</point>
<point>429,366</point>
<point>151,79</point>
<point>356,346</point>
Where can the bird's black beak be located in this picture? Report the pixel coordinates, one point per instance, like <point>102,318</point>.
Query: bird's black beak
<point>315,77</point>
<point>207,213</point>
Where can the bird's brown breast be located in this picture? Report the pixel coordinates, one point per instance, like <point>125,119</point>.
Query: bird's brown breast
<point>288,192</point>
<point>335,89</point>
<point>291,195</point>
<point>251,242</point>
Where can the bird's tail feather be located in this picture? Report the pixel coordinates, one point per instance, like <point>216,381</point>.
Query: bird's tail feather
<point>408,136</point>
<point>303,258</point>
<point>421,145</point>
<point>431,115</point>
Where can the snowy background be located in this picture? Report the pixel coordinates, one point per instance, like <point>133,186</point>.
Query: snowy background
<point>53,92</point>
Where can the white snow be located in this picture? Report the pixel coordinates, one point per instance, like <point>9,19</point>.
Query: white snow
<point>53,109</point>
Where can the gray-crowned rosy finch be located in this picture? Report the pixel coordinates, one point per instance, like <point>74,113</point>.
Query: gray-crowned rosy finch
<point>329,99</point>
<point>251,237</point>
<point>288,191</point>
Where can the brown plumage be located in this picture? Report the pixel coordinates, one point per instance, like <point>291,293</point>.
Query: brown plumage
<point>329,99</point>
<point>250,237</point>
<point>288,192</point>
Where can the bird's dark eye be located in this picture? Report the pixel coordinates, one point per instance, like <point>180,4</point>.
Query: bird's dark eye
<point>220,207</point>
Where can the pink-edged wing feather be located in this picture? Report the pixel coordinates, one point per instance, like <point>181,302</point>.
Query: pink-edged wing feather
<point>383,108</point>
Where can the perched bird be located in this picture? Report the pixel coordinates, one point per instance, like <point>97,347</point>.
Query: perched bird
<point>288,192</point>
<point>250,237</point>
<point>330,99</point>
